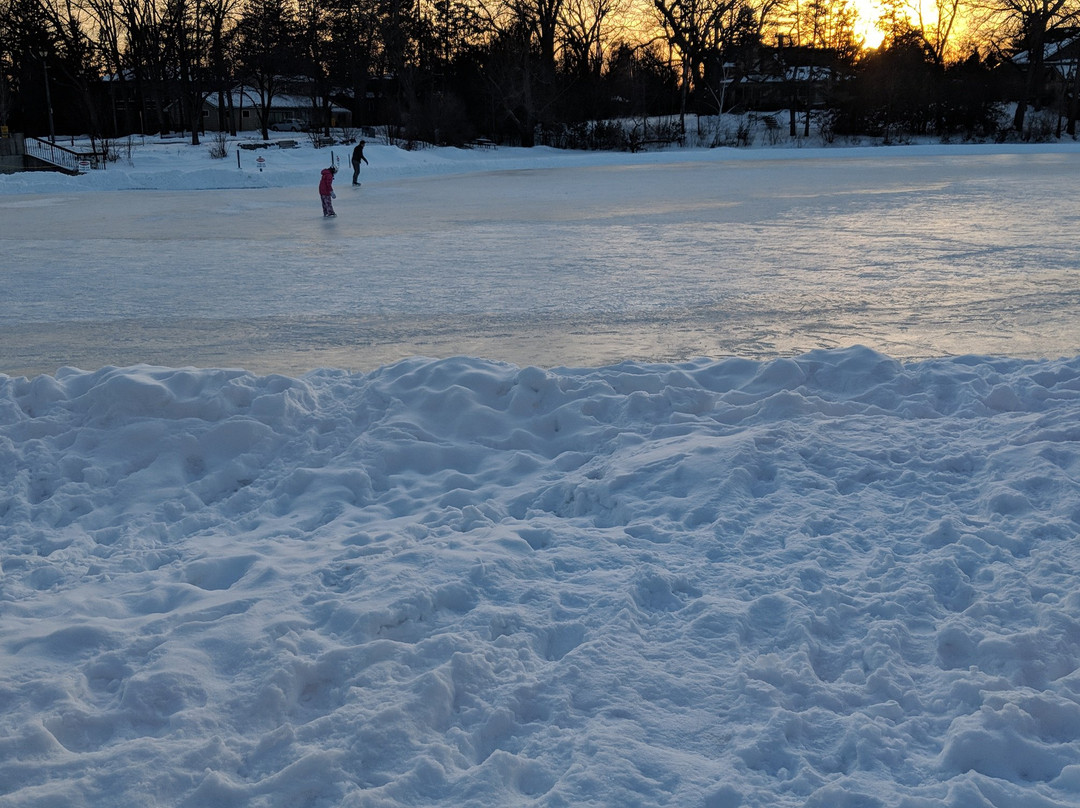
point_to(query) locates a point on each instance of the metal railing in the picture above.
(69, 160)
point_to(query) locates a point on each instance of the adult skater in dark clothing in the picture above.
(357, 158)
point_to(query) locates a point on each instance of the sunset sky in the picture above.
(866, 27)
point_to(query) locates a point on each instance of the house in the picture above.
(765, 77)
(1061, 59)
(1061, 55)
(285, 110)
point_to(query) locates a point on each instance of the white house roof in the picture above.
(249, 97)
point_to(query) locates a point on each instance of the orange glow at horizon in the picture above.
(866, 28)
(921, 14)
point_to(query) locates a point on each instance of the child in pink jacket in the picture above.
(326, 191)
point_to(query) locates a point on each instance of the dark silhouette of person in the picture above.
(357, 158)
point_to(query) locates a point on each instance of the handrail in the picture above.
(67, 159)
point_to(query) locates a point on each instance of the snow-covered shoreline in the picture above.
(175, 164)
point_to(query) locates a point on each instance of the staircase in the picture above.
(43, 154)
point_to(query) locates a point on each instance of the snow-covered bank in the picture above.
(836, 580)
(174, 164)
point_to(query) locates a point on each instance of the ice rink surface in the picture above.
(912, 254)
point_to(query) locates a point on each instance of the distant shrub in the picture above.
(218, 146)
(1040, 126)
(588, 136)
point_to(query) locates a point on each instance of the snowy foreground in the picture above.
(833, 580)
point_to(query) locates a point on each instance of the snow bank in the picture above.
(836, 580)
(150, 163)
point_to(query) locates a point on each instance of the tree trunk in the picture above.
(1033, 80)
(1070, 127)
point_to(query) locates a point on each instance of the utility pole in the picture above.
(44, 54)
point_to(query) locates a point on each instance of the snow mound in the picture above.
(835, 580)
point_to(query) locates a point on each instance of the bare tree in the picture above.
(939, 30)
(542, 19)
(823, 35)
(520, 59)
(583, 23)
(145, 58)
(24, 37)
(1028, 25)
(314, 36)
(73, 54)
(268, 41)
(694, 29)
(533, 28)
(708, 35)
(192, 26)
(352, 46)
(110, 36)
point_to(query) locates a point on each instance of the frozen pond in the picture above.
(912, 255)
